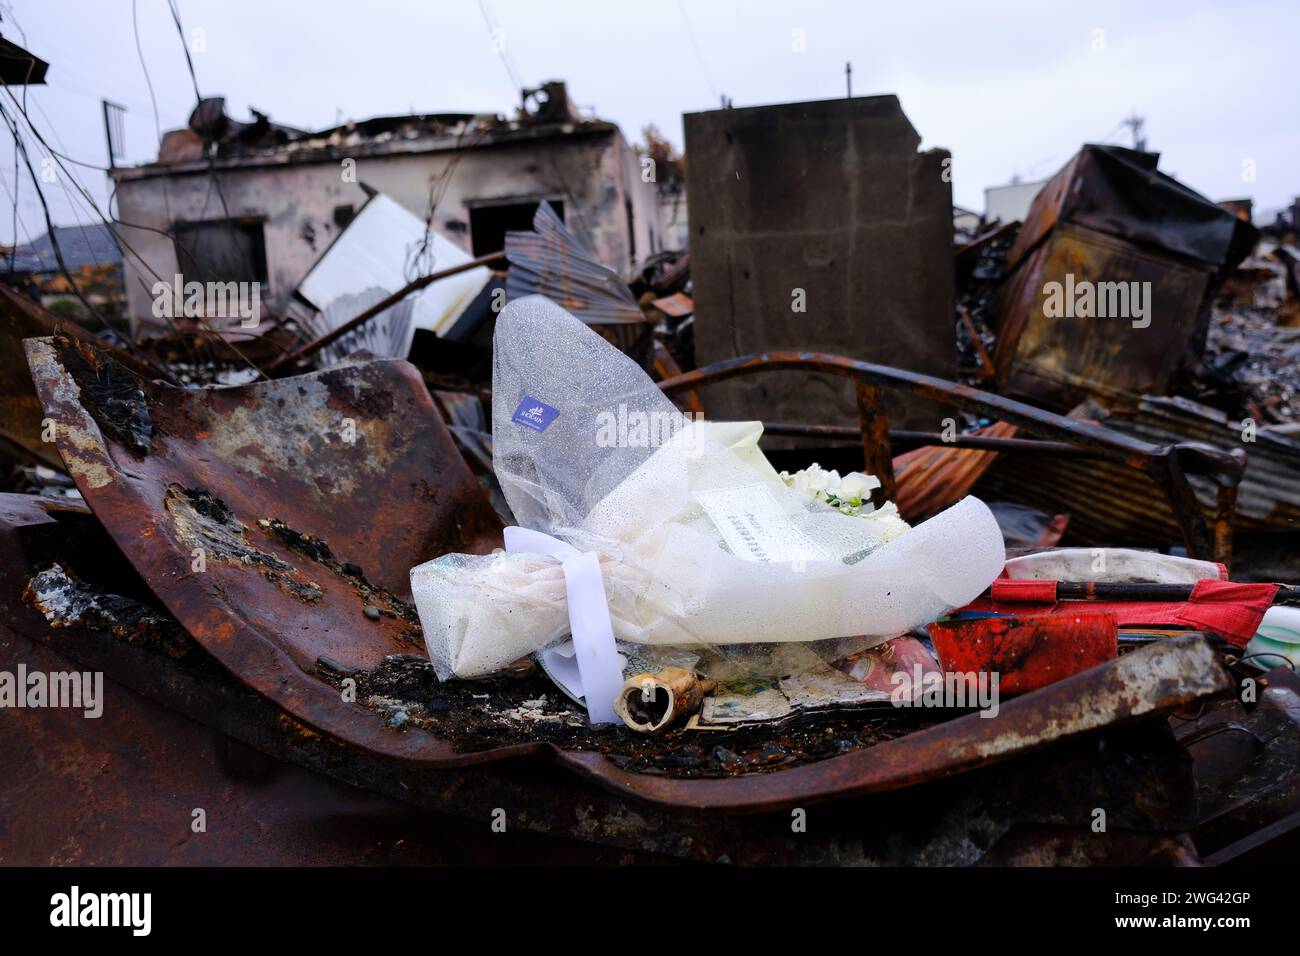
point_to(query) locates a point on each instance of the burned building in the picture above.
(261, 202)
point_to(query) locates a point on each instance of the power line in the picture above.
(21, 148)
(117, 237)
(699, 58)
(212, 170)
(496, 34)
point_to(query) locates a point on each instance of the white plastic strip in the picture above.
(597, 657)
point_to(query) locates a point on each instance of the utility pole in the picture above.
(114, 131)
(848, 79)
(1135, 123)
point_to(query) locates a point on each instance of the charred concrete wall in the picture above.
(299, 202)
(825, 206)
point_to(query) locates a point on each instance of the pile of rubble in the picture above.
(456, 520)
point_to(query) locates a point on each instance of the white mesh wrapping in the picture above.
(670, 522)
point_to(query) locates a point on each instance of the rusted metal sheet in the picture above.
(1120, 192)
(1127, 506)
(1158, 678)
(677, 306)
(277, 521)
(301, 532)
(125, 794)
(1269, 495)
(1245, 758)
(934, 477)
(176, 732)
(142, 648)
(1059, 361)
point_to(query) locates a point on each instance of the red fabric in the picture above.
(1024, 590)
(1230, 610)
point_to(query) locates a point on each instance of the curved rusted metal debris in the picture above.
(277, 521)
(168, 707)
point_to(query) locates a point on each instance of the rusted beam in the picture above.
(875, 439)
(904, 439)
(1162, 677)
(1168, 465)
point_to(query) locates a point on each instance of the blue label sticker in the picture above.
(534, 414)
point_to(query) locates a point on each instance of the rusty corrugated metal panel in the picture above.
(1112, 505)
(1268, 497)
(1109, 505)
(930, 479)
(678, 305)
(551, 261)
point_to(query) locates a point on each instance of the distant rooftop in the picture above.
(81, 246)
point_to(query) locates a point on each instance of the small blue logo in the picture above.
(534, 414)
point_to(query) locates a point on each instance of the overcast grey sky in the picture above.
(1011, 88)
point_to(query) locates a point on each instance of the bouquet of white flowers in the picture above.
(687, 533)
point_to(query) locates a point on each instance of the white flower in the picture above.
(856, 486)
(811, 480)
(850, 494)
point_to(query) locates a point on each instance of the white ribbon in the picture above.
(599, 667)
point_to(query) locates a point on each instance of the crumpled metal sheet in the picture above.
(1109, 217)
(276, 521)
(171, 711)
(550, 261)
(1120, 192)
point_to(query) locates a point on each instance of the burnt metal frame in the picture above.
(1167, 465)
